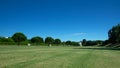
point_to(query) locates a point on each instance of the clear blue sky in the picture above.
(65, 19)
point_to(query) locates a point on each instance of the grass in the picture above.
(58, 57)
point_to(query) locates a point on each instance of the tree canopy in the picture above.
(19, 37)
(68, 42)
(114, 34)
(57, 41)
(37, 40)
(49, 40)
(84, 42)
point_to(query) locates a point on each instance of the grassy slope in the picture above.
(58, 57)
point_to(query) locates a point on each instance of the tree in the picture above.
(99, 42)
(57, 41)
(49, 40)
(73, 43)
(91, 43)
(84, 42)
(19, 37)
(37, 40)
(6, 41)
(68, 42)
(105, 42)
(114, 34)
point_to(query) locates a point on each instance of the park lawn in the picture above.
(58, 57)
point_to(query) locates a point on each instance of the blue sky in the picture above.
(65, 19)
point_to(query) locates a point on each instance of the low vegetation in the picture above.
(58, 57)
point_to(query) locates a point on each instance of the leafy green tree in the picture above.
(99, 42)
(114, 34)
(19, 37)
(49, 40)
(73, 43)
(84, 42)
(91, 43)
(105, 42)
(37, 40)
(7, 40)
(68, 42)
(57, 41)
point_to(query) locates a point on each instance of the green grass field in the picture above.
(58, 57)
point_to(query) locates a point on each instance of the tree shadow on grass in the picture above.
(99, 48)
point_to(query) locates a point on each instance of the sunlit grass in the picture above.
(58, 57)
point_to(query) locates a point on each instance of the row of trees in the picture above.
(91, 42)
(20, 39)
(113, 38)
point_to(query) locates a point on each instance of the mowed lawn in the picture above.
(58, 57)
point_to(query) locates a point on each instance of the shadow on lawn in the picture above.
(99, 48)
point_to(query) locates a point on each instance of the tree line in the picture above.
(92, 42)
(113, 38)
(20, 38)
